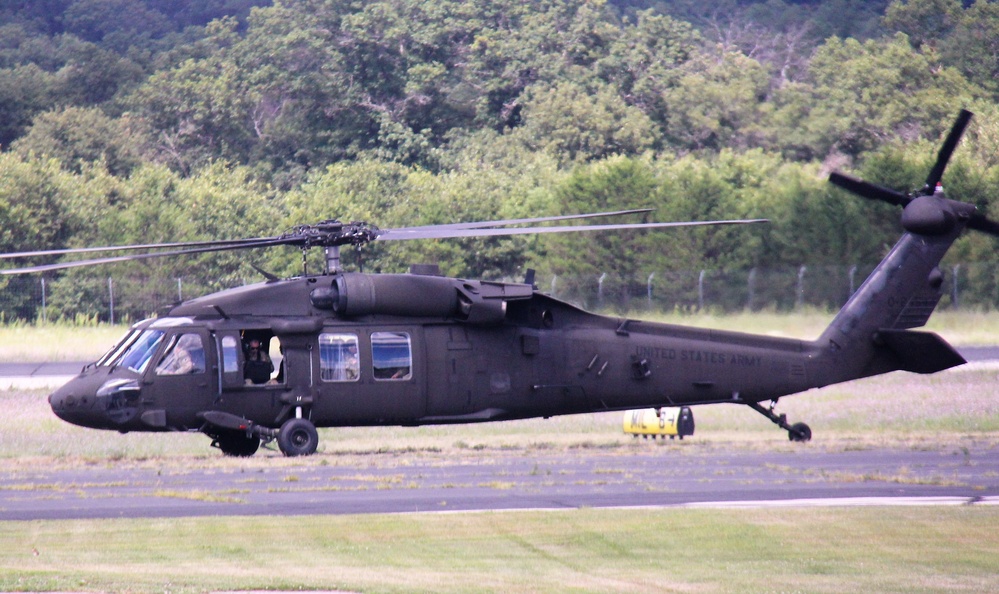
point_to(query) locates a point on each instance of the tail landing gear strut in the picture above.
(796, 432)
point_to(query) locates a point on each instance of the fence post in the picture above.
(801, 287)
(700, 291)
(953, 291)
(554, 278)
(44, 312)
(111, 300)
(649, 287)
(180, 296)
(600, 289)
(853, 274)
(752, 288)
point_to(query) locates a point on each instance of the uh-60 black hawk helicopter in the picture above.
(416, 349)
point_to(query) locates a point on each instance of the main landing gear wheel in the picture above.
(298, 437)
(236, 443)
(799, 432)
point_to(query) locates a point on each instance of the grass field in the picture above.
(910, 549)
(586, 550)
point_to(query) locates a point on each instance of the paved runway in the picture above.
(670, 475)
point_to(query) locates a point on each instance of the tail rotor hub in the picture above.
(927, 211)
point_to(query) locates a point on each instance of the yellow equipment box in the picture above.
(655, 422)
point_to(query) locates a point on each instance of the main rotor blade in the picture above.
(485, 224)
(115, 248)
(956, 131)
(868, 190)
(430, 233)
(79, 263)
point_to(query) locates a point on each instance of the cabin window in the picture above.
(184, 356)
(230, 354)
(338, 360)
(391, 355)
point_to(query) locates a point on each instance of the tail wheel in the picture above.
(799, 432)
(298, 437)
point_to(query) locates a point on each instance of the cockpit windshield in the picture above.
(135, 352)
(115, 352)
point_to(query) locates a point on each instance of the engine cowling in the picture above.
(358, 294)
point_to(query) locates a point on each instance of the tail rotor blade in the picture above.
(956, 131)
(868, 190)
(978, 222)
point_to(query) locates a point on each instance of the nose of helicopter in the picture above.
(98, 400)
(73, 406)
(81, 402)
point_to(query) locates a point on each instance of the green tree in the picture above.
(973, 45)
(717, 102)
(858, 95)
(522, 43)
(198, 108)
(24, 92)
(642, 62)
(923, 21)
(579, 123)
(611, 184)
(156, 205)
(42, 207)
(79, 136)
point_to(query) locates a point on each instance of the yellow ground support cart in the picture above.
(659, 422)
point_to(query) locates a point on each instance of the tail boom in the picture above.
(870, 334)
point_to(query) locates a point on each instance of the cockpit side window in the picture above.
(392, 356)
(185, 355)
(338, 361)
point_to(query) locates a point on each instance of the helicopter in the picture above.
(362, 349)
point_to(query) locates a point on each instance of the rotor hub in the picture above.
(331, 233)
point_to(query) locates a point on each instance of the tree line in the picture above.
(140, 121)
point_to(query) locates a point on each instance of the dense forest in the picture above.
(141, 121)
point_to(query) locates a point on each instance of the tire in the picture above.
(236, 444)
(298, 437)
(800, 432)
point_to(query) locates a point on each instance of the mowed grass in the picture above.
(882, 549)
(55, 342)
(918, 549)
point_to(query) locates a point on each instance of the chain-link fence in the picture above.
(111, 299)
(779, 289)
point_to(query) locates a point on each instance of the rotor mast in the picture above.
(332, 259)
